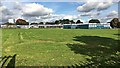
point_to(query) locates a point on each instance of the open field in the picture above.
(62, 47)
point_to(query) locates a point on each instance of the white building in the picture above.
(11, 20)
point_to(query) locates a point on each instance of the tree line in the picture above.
(114, 23)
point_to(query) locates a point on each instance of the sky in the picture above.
(35, 11)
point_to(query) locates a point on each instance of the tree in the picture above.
(78, 21)
(21, 22)
(65, 21)
(61, 21)
(7, 23)
(72, 22)
(94, 21)
(118, 24)
(41, 23)
(50, 23)
(34, 24)
(57, 22)
(115, 23)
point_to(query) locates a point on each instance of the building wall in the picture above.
(99, 26)
(87, 26)
(11, 20)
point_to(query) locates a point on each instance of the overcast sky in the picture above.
(35, 11)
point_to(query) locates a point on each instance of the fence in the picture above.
(7, 61)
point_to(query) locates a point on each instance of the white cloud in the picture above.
(35, 10)
(91, 14)
(112, 14)
(5, 14)
(60, 0)
(94, 9)
(54, 17)
(105, 19)
(8, 11)
(100, 0)
(89, 6)
(17, 5)
(28, 11)
(103, 5)
(5, 11)
(70, 17)
(86, 14)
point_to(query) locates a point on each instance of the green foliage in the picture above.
(94, 21)
(78, 21)
(115, 23)
(50, 23)
(72, 22)
(64, 21)
(7, 23)
(21, 22)
(41, 23)
(34, 24)
(57, 22)
(118, 25)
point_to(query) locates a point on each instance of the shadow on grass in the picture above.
(8, 61)
(117, 34)
(103, 51)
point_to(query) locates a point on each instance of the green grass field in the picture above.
(62, 47)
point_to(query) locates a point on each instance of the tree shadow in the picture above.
(103, 51)
(8, 61)
(117, 34)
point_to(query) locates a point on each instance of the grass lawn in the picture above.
(62, 47)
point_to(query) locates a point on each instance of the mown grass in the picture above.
(55, 47)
